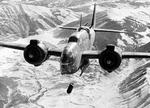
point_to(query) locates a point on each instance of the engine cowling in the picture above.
(110, 59)
(35, 53)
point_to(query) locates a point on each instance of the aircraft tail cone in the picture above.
(70, 88)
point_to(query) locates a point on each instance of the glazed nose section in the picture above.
(68, 60)
(68, 68)
(64, 69)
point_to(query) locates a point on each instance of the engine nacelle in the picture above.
(35, 53)
(110, 59)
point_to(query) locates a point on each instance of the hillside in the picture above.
(21, 20)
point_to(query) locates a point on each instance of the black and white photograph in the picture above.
(74, 53)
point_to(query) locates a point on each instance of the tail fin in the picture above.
(80, 20)
(93, 17)
(93, 25)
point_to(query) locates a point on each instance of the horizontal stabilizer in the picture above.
(135, 55)
(13, 45)
(110, 30)
(69, 28)
(97, 30)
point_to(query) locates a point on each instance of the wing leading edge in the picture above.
(13, 45)
(124, 55)
(91, 54)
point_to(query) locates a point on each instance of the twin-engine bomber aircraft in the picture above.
(78, 51)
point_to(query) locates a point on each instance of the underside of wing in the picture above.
(91, 54)
(110, 30)
(55, 52)
(135, 55)
(13, 45)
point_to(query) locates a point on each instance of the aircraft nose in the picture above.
(67, 69)
(64, 69)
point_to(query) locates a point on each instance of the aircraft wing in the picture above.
(91, 54)
(54, 52)
(110, 30)
(125, 55)
(13, 45)
(135, 55)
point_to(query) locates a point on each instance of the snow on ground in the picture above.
(127, 38)
(121, 12)
(145, 37)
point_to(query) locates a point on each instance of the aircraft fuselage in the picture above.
(79, 41)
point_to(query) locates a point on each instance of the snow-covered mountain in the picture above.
(21, 20)
(23, 85)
